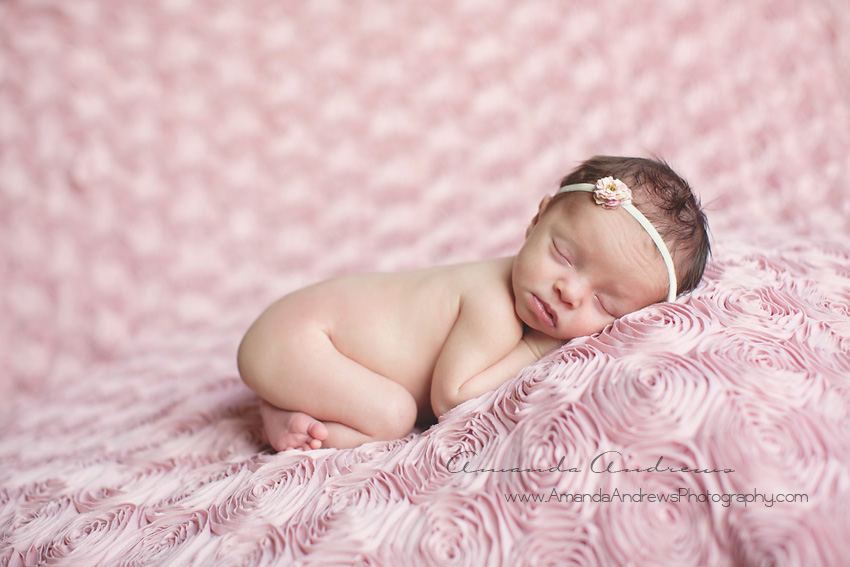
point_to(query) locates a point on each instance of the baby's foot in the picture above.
(291, 429)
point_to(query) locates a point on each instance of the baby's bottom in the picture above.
(325, 399)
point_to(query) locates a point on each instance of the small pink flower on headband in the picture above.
(611, 193)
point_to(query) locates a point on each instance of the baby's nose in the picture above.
(572, 291)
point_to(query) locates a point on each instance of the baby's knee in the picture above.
(398, 416)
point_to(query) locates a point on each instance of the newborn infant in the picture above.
(366, 357)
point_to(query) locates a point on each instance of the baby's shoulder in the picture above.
(487, 285)
(488, 275)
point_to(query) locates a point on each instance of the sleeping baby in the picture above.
(366, 357)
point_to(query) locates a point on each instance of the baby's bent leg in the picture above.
(306, 373)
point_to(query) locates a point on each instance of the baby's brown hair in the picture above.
(666, 200)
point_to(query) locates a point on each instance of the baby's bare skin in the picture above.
(397, 323)
(364, 357)
(393, 324)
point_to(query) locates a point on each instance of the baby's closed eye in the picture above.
(600, 302)
(604, 306)
(561, 254)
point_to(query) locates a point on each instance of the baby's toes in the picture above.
(300, 425)
(318, 432)
(286, 442)
(280, 443)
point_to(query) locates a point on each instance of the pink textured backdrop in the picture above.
(168, 168)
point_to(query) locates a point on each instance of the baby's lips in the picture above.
(551, 312)
(549, 316)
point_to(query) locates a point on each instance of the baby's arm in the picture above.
(485, 349)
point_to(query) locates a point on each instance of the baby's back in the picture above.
(395, 324)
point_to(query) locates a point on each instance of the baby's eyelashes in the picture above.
(563, 256)
(599, 303)
(602, 306)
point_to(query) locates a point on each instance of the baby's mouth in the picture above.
(546, 313)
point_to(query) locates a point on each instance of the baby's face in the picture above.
(583, 266)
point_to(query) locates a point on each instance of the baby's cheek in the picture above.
(601, 323)
(583, 325)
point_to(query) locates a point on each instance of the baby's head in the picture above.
(587, 261)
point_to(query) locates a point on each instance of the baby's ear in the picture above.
(544, 204)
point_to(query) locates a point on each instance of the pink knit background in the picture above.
(168, 168)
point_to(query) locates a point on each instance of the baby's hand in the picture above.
(539, 343)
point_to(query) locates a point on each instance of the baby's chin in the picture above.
(549, 332)
(570, 334)
(562, 336)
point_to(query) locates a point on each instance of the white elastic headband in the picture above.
(644, 222)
